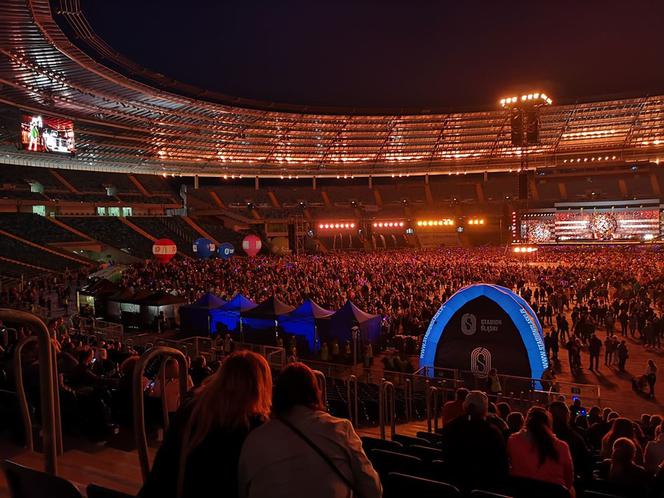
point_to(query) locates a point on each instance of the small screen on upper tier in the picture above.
(44, 134)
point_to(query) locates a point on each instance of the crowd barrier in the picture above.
(432, 385)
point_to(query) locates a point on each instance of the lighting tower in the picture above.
(524, 115)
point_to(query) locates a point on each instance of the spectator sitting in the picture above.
(103, 367)
(199, 370)
(622, 428)
(453, 409)
(172, 390)
(203, 444)
(536, 453)
(560, 417)
(474, 448)
(514, 423)
(82, 376)
(654, 454)
(284, 458)
(623, 470)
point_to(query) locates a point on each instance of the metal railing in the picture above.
(432, 400)
(139, 400)
(48, 375)
(352, 396)
(387, 404)
(322, 385)
(408, 397)
(101, 328)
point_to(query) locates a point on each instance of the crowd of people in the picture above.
(576, 293)
(281, 442)
(561, 444)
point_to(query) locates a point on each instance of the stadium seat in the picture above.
(399, 485)
(410, 441)
(94, 491)
(426, 453)
(480, 493)
(523, 487)
(385, 461)
(373, 443)
(597, 494)
(432, 437)
(28, 483)
(614, 489)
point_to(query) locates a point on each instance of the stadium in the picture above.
(203, 293)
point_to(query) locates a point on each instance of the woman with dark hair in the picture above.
(202, 446)
(622, 427)
(535, 452)
(304, 451)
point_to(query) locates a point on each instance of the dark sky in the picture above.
(459, 54)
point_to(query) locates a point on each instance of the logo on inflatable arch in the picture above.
(468, 324)
(485, 326)
(480, 361)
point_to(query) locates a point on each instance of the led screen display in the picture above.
(44, 134)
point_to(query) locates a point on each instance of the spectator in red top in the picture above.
(453, 409)
(536, 453)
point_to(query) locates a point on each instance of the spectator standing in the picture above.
(651, 376)
(623, 353)
(594, 350)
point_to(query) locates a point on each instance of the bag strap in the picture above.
(322, 454)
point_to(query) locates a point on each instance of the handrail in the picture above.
(20, 390)
(164, 396)
(352, 397)
(408, 396)
(56, 403)
(430, 393)
(322, 385)
(46, 383)
(386, 396)
(139, 401)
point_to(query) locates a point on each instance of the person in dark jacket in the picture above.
(475, 449)
(202, 447)
(560, 415)
(594, 349)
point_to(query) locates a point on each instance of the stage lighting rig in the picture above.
(525, 117)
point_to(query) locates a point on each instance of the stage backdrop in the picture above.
(485, 326)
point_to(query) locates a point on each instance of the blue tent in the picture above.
(228, 317)
(195, 318)
(305, 321)
(349, 316)
(265, 314)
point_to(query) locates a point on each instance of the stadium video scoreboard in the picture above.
(592, 222)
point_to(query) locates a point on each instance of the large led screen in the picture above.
(627, 225)
(630, 225)
(43, 134)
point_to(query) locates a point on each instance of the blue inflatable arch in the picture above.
(523, 316)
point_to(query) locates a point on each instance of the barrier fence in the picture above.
(429, 386)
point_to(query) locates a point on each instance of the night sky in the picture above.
(440, 54)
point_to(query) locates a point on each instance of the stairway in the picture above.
(108, 467)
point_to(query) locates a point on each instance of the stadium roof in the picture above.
(130, 119)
